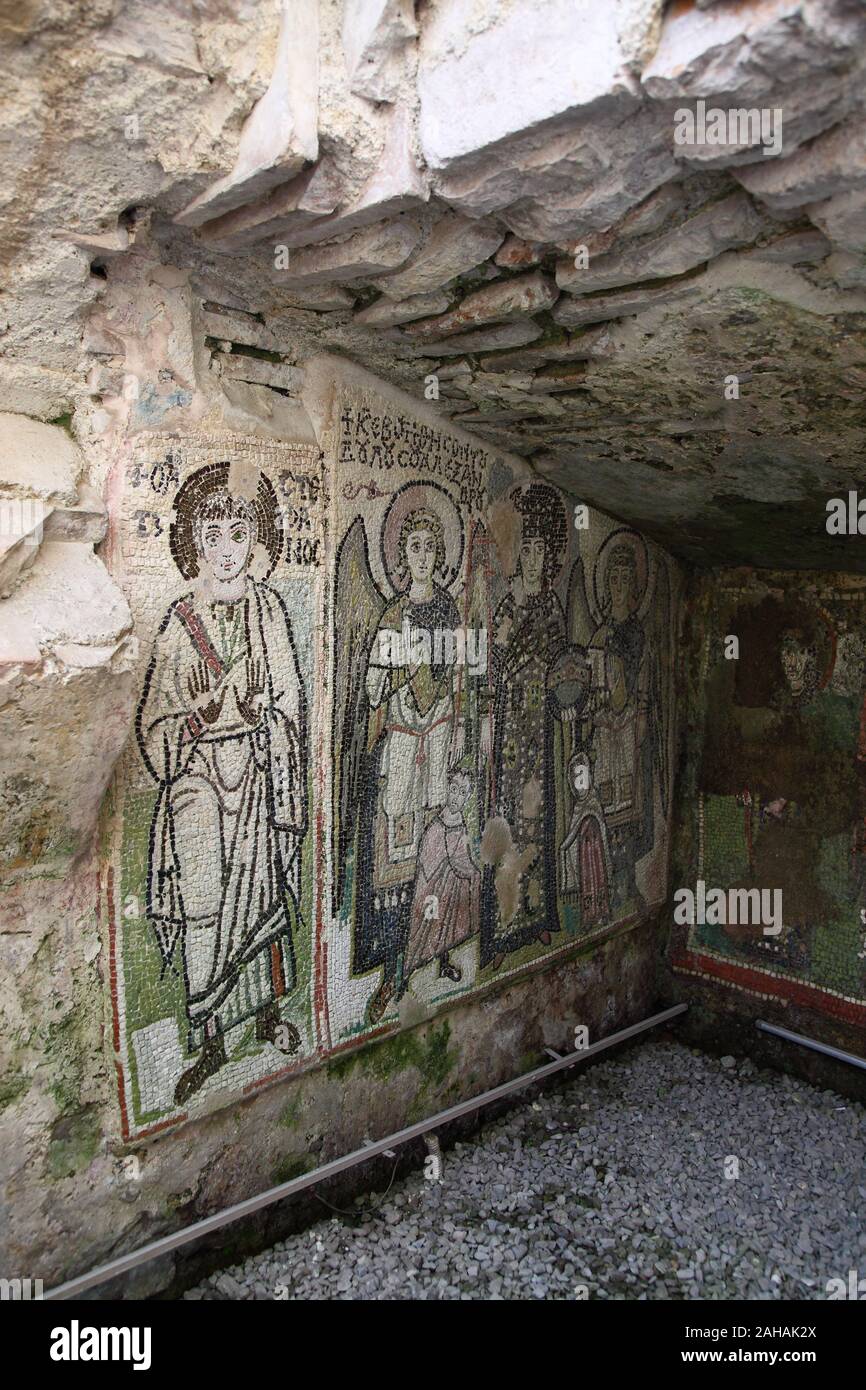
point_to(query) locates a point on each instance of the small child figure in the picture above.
(446, 897)
(584, 856)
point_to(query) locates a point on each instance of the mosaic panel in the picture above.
(501, 725)
(210, 895)
(781, 801)
(401, 735)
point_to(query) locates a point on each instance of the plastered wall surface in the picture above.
(774, 796)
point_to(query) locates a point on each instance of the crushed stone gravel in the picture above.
(663, 1173)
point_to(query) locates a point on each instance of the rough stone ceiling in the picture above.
(410, 186)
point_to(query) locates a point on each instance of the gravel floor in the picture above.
(613, 1187)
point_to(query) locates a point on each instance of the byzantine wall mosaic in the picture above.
(209, 891)
(405, 730)
(781, 789)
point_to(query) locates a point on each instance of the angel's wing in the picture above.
(579, 623)
(358, 605)
(481, 570)
(659, 632)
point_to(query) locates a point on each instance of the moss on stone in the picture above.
(340, 1068)
(528, 1061)
(66, 1046)
(292, 1166)
(289, 1114)
(11, 1087)
(428, 1053)
(74, 1142)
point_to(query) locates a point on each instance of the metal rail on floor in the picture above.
(851, 1058)
(339, 1165)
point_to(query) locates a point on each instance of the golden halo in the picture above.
(422, 497)
(623, 535)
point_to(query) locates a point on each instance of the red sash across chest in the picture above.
(191, 621)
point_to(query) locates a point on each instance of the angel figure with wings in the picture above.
(398, 726)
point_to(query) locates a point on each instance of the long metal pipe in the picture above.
(339, 1165)
(836, 1052)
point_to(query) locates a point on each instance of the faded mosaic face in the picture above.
(459, 789)
(421, 555)
(795, 664)
(532, 560)
(620, 583)
(225, 546)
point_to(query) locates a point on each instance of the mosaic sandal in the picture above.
(212, 1058)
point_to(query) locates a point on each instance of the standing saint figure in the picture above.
(625, 696)
(584, 856)
(413, 738)
(525, 778)
(222, 730)
(446, 895)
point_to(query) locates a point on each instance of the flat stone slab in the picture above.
(234, 326)
(504, 300)
(241, 367)
(834, 163)
(723, 226)
(592, 343)
(388, 313)
(505, 335)
(38, 460)
(455, 246)
(573, 312)
(366, 253)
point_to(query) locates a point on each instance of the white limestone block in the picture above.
(38, 460)
(376, 34)
(281, 133)
(396, 184)
(722, 226)
(455, 246)
(800, 58)
(22, 523)
(484, 79)
(66, 703)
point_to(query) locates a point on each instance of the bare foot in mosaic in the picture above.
(380, 1001)
(270, 1028)
(213, 1056)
